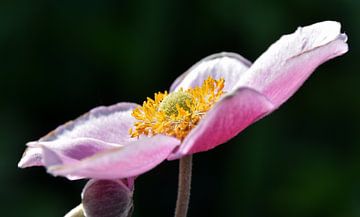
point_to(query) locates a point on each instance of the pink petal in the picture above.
(32, 157)
(284, 67)
(226, 119)
(106, 123)
(229, 66)
(107, 198)
(99, 129)
(132, 159)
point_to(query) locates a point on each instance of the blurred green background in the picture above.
(58, 59)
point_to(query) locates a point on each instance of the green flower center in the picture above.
(168, 105)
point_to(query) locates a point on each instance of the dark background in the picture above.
(58, 59)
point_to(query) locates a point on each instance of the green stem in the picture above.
(183, 196)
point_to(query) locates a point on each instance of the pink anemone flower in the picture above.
(98, 145)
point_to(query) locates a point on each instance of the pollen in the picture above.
(177, 113)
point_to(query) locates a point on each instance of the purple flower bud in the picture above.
(107, 198)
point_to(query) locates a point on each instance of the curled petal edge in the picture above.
(32, 156)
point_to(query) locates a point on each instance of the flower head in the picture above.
(177, 113)
(206, 106)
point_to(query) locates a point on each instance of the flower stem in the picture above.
(183, 196)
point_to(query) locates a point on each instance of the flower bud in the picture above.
(107, 198)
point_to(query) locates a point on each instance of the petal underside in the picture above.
(229, 66)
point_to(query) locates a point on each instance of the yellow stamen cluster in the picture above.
(175, 114)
